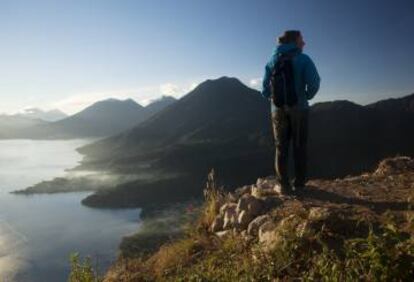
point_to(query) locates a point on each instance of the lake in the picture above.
(38, 232)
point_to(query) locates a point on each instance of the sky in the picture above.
(67, 54)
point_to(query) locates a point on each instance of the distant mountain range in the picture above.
(35, 113)
(226, 125)
(102, 119)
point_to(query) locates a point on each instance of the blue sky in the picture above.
(68, 54)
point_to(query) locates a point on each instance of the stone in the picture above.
(266, 181)
(263, 187)
(226, 207)
(271, 202)
(394, 165)
(255, 224)
(264, 229)
(271, 235)
(250, 204)
(243, 190)
(244, 219)
(255, 207)
(242, 203)
(257, 191)
(230, 217)
(231, 197)
(222, 234)
(217, 224)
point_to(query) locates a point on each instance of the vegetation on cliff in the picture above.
(355, 228)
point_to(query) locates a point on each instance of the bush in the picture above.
(82, 271)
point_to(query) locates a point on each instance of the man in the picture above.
(290, 111)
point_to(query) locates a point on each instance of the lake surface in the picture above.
(38, 232)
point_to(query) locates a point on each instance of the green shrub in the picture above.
(82, 270)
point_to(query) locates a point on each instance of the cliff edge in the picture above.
(354, 228)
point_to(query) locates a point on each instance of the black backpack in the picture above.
(283, 82)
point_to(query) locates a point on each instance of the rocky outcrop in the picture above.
(259, 211)
(335, 225)
(249, 204)
(394, 166)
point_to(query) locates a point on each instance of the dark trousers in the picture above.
(290, 125)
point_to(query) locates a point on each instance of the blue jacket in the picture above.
(306, 76)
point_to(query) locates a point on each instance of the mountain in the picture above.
(35, 113)
(225, 125)
(15, 125)
(102, 119)
(109, 117)
(159, 104)
(401, 105)
(226, 115)
(218, 116)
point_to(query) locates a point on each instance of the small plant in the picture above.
(82, 270)
(214, 198)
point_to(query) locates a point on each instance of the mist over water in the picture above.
(38, 232)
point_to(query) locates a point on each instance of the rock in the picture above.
(270, 235)
(222, 234)
(255, 224)
(226, 207)
(394, 166)
(277, 188)
(266, 182)
(217, 224)
(242, 203)
(251, 204)
(230, 217)
(257, 191)
(271, 202)
(267, 233)
(318, 214)
(264, 189)
(243, 190)
(231, 197)
(244, 219)
(255, 207)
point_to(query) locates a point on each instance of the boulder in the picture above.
(267, 232)
(232, 197)
(227, 206)
(271, 235)
(243, 201)
(217, 224)
(394, 166)
(250, 204)
(255, 224)
(244, 219)
(263, 187)
(271, 202)
(266, 182)
(230, 217)
(243, 190)
(256, 191)
(255, 207)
